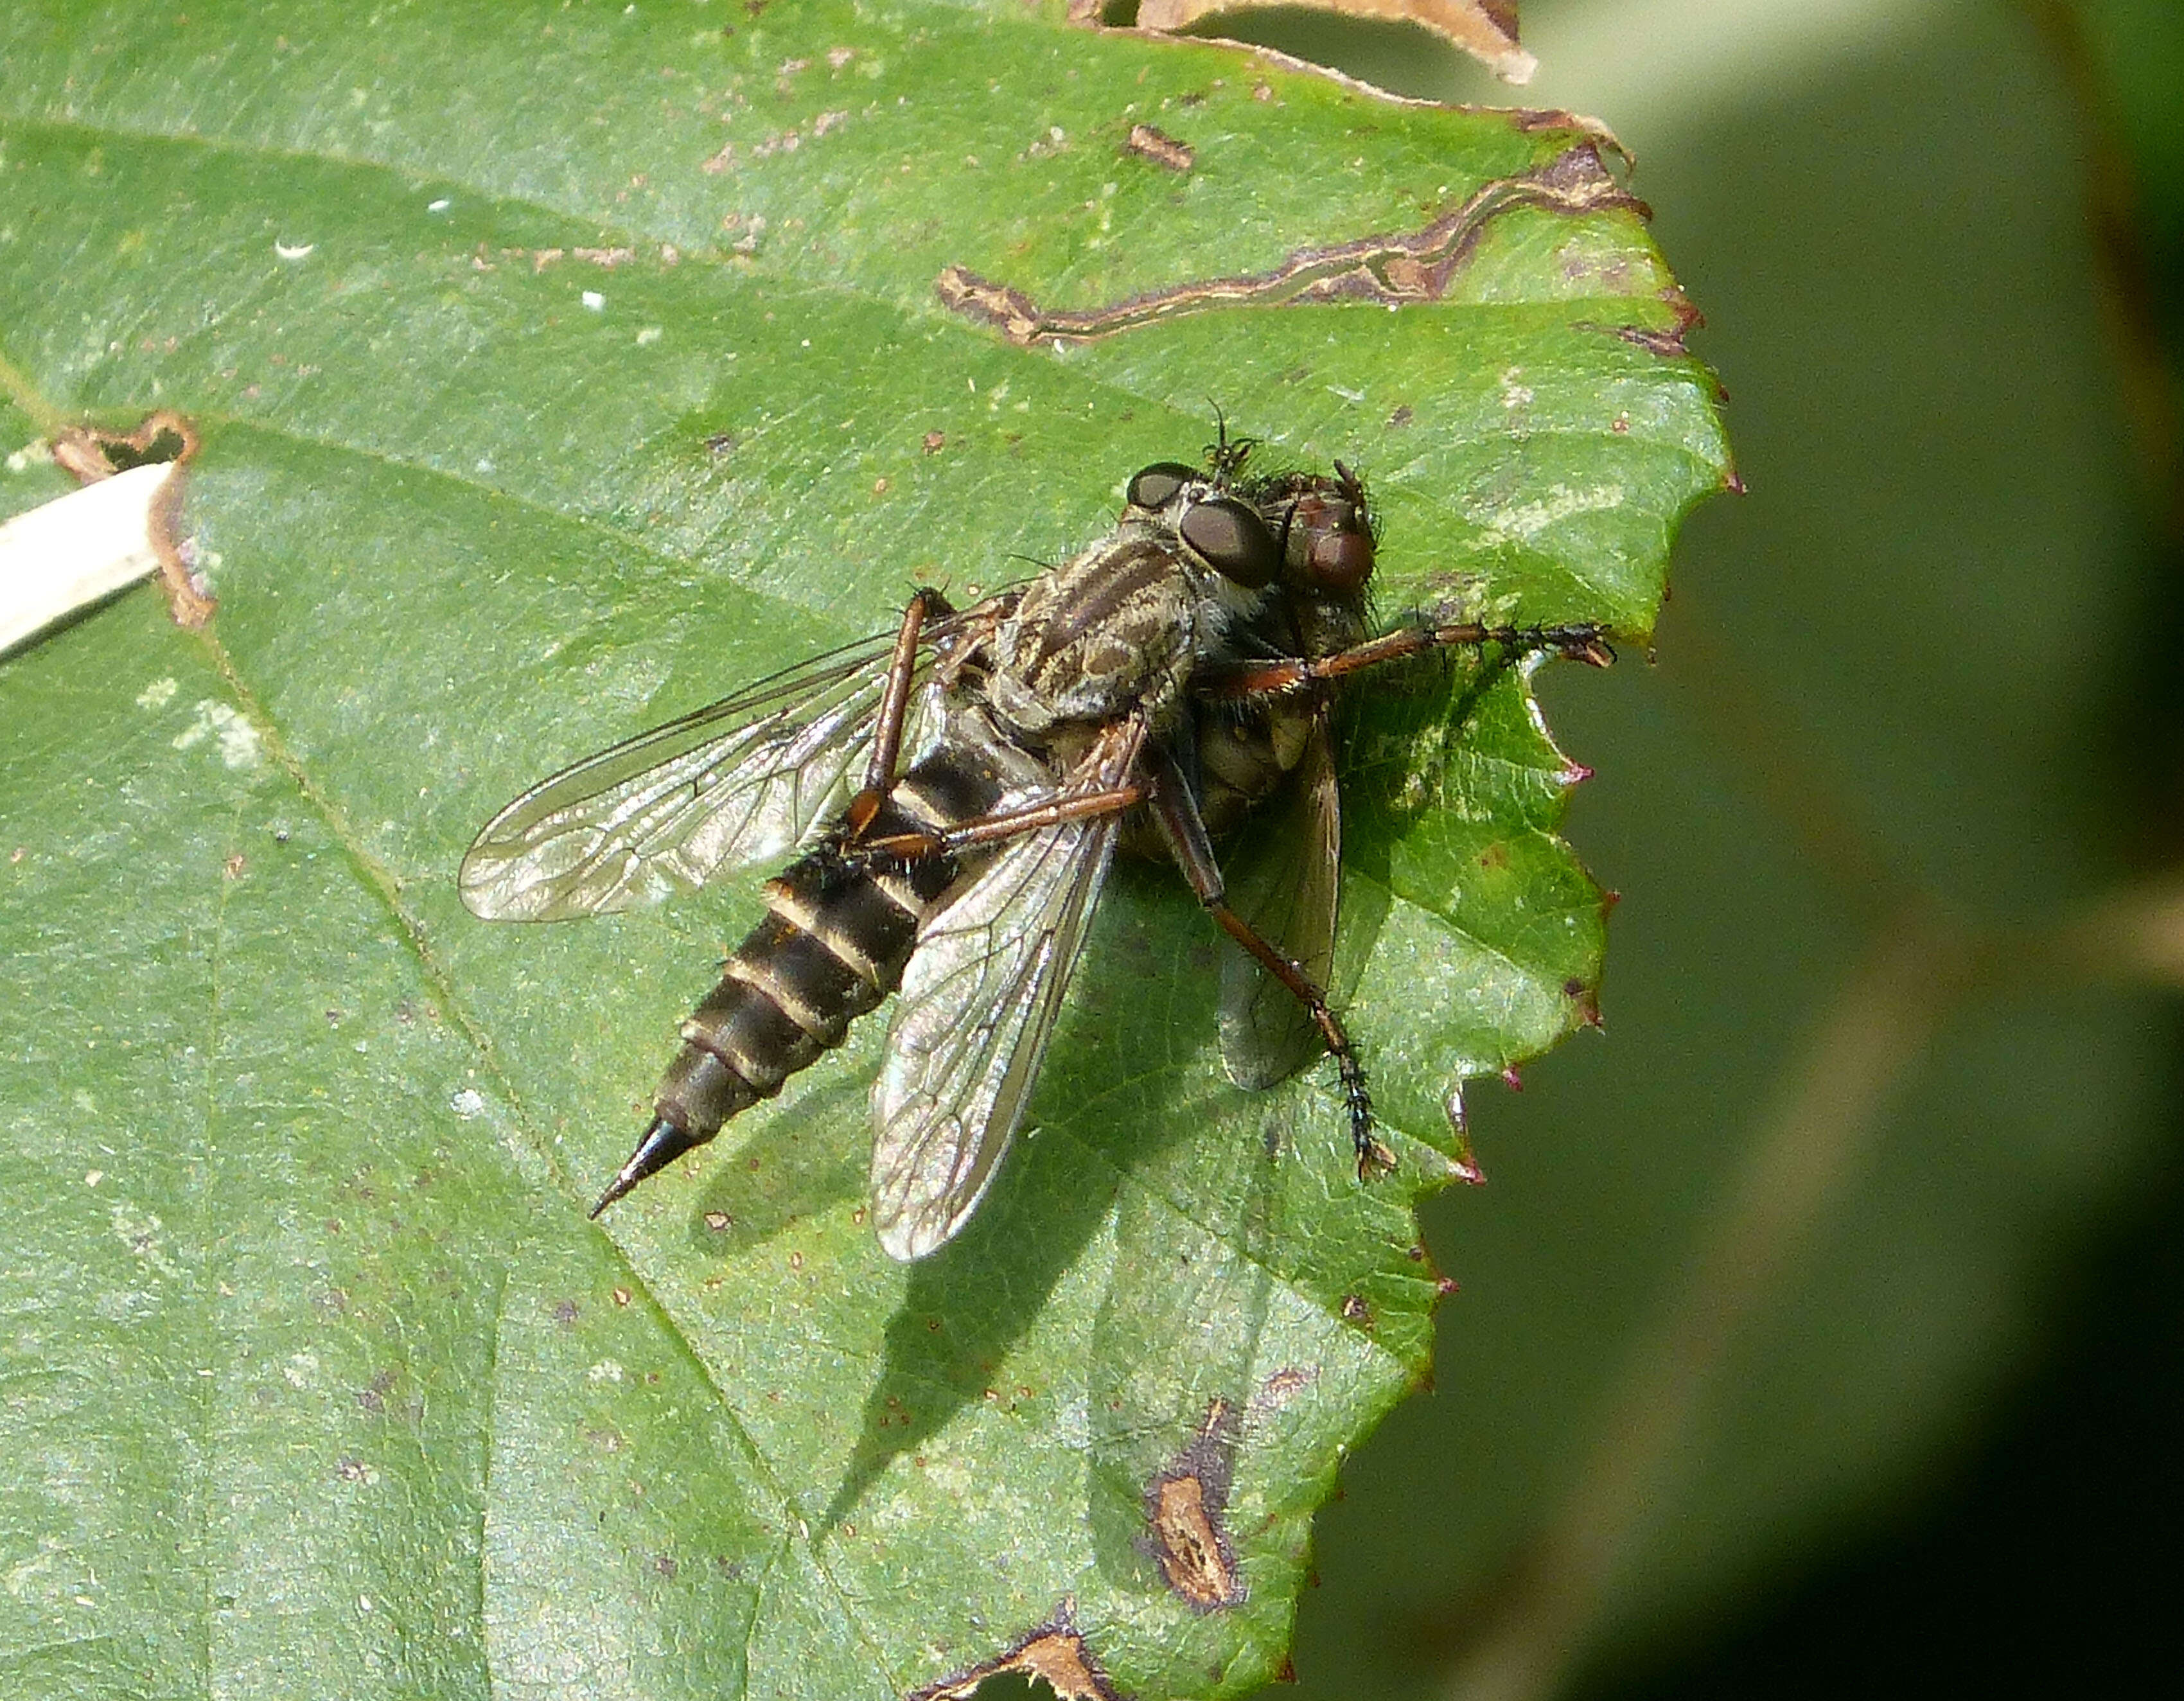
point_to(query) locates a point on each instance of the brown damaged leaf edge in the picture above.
(1669, 344)
(1054, 1654)
(1485, 29)
(1184, 1505)
(1396, 269)
(88, 455)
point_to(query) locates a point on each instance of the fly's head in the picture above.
(1326, 533)
(1312, 533)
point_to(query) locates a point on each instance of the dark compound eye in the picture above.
(1234, 540)
(1157, 485)
(1341, 562)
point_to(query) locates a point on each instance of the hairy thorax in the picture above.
(1110, 632)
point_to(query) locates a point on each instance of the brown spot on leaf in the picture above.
(1149, 143)
(1184, 1505)
(1394, 269)
(1354, 1310)
(1283, 1387)
(1670, 343)
(1054, 1654)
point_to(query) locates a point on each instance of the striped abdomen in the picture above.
(834, 944)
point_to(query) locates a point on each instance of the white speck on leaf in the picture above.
(1527, 520)
(140, 1231)
(237, 738)
(157, 695)
(593, 299)
(293, 250)
(469, 1102)
(650, 334)
(440, 205)
(606, 1370)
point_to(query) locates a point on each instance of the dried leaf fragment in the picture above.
(77, 548)
(1149, 143)
(122, 524)
(1485, 29)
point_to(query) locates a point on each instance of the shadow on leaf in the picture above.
(800, 1162)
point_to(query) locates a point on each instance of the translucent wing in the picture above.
(971, 1027)
(1289, 892)
(748, 778)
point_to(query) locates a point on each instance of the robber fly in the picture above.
(954, 793)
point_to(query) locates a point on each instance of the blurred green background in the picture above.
(1819, 1329)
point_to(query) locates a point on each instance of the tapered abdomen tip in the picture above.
(661, 1145)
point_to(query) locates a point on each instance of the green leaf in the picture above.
(560, 368)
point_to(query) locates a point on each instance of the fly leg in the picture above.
(1100, 787)
(896, 850)
(893, 711)
(1176, 811)
(1583, 642)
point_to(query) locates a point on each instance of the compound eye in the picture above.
(1159, 484)
(1341, 562)
(1232, 540)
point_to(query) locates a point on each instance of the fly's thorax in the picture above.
(1110, 632)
